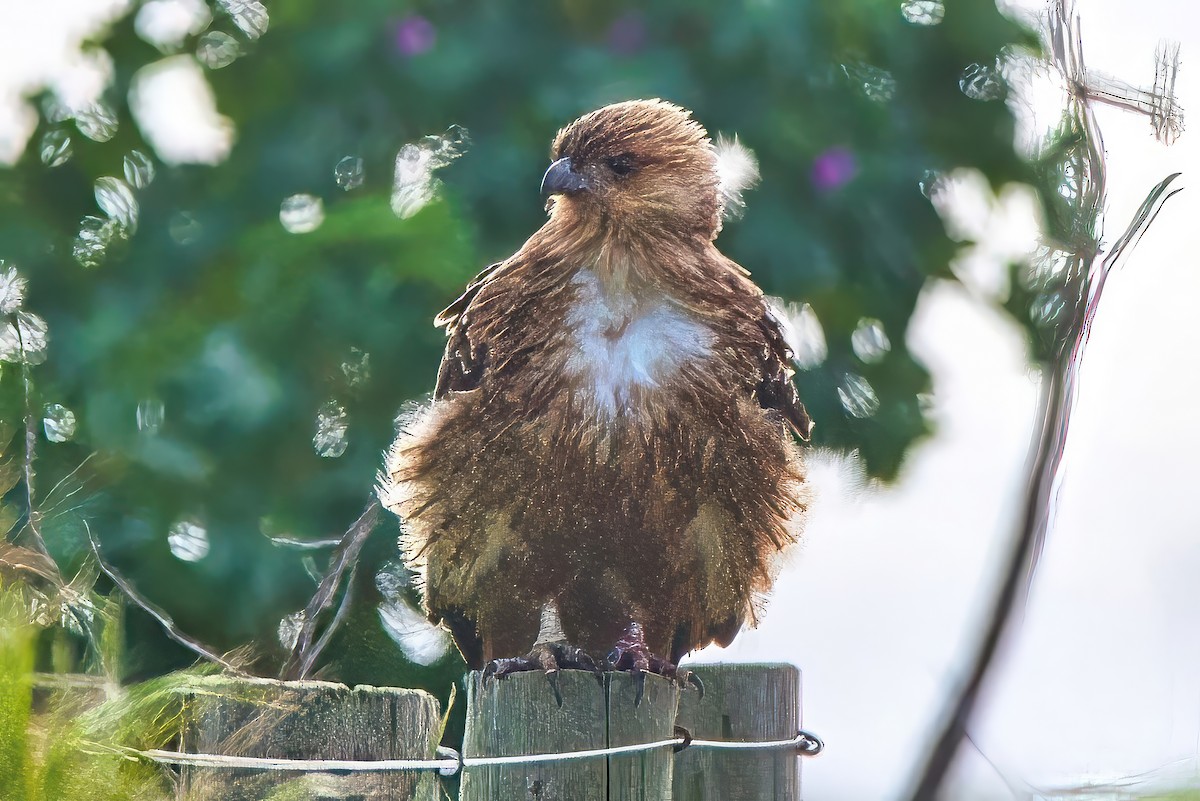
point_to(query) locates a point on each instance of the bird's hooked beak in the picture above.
(561, 179)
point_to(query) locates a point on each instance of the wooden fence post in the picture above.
(518, 715)
(643, 776)
(307, 720)
(748, 703)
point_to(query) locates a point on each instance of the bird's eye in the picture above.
(621, 165)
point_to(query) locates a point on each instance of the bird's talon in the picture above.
(550, 658)
(614, 658)
(589, 664)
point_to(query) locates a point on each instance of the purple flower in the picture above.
(834, 168)
(627, 34)
(413, 35)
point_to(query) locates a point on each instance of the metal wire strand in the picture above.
(804, 744)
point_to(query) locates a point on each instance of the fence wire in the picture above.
(451, 762)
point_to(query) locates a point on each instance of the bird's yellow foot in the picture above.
(633, 655)
(549, 657)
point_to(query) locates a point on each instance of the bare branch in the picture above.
(28, 473)
(304, 652)
(311, 657)
(159, 614)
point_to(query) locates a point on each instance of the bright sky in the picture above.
(1103, 681)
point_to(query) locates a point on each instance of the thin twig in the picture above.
(48, 518)
(305, 545)
(1017, 792)
(159, 614)
(57, 512)
(1034, 516)
(31, 523)
(63, 480)
(343, 608)
(304, 653)
(56, 507)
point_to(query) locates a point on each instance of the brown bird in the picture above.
(609, 465)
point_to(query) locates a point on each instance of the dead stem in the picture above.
(304, 652)
(160, 615)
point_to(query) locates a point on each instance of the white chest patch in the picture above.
(623, 342)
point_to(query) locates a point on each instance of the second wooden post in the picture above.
(518, 716)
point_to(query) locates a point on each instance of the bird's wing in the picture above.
(775, 389)
(462, 368)
(464, 362)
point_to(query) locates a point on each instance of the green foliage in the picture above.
(65, 750)
(244, 332)
(16, 702)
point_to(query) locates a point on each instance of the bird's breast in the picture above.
(626, 345)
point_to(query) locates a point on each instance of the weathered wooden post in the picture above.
(518, 715)
(307, 720)
(745, 703)
(646, 775)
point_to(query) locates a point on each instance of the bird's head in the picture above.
(646, 163)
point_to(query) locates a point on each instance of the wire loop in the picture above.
(450, 753)
(810, 744)
(683, 734)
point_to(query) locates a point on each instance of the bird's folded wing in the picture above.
(775, 389)
(464, 362)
